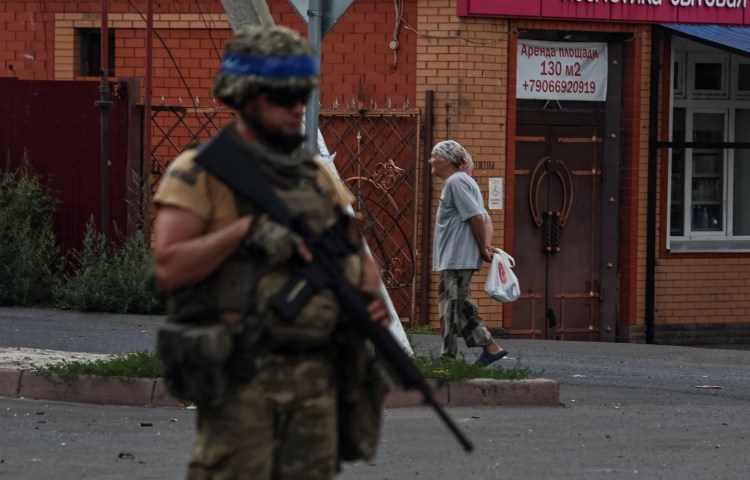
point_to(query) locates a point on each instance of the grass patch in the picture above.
(146, 364)
(420, 330)
(131, 366)
(449, 370)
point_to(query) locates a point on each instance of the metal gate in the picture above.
(57, 124)
(557, 231)
(375, 154)
(176, 127)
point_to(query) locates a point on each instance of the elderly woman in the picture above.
(460, 245)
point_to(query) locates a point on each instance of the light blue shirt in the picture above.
(454, 247)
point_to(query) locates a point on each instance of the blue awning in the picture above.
(733, 39)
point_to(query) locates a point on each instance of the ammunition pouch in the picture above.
(194, 358)
(204, 358)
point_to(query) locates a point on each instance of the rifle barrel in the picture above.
(402, 365)
(462, 439)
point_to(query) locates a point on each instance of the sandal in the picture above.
(487, 358)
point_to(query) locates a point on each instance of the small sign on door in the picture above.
(496, 193)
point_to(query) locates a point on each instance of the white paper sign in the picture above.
(496, 194)
(562, 70)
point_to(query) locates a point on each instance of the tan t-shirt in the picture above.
(186, 185)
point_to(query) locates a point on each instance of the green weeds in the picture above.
(143, 364)
(29, 259)
(107, 278)
(146, 364)
(104, 275)
(451, 370)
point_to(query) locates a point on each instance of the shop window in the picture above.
(709, 210)
(706, 171)
(90, 53)
(707, 75)
(698, 210)
(709, 197)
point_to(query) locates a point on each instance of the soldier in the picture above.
(221, 259)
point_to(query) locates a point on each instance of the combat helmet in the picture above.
(263, 57)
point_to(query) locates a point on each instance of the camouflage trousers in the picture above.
(280, 426)
(459, 315)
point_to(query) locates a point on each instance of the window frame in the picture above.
(699, 101)
(734, 80)
(678, 75)
(85, 38)
(694, 58)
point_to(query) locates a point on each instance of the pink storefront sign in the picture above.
(719, 12)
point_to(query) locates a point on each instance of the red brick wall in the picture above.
(37, 41)
(630, 289)
(465, 62)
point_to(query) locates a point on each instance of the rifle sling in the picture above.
(221, 157)
(226, 158)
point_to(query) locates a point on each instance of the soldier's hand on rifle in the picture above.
(304, 252)
(378, 313)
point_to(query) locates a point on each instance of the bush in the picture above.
(29, 258)
(110, 278)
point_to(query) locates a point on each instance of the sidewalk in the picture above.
(27, 332)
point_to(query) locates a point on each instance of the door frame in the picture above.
(609, 326)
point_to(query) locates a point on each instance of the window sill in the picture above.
(690, 245)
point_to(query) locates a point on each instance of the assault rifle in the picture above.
(226, 158)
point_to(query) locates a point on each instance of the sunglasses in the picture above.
(287, 97)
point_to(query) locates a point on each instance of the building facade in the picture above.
(619, 135)
(609, 137)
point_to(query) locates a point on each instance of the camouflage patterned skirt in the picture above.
(459, 314)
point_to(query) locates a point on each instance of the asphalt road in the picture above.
(627, 411)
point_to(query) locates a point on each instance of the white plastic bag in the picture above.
(502, 284)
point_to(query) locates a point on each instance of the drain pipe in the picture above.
(424, 283)
(148, 163)
(651, 192)
(104, 105)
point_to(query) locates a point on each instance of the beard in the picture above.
(273, 137)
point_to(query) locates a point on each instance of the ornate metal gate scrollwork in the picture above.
(376, 154)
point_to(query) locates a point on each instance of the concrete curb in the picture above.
(152, 392)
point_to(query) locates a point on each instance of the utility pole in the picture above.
(314, 36)
(148, 162)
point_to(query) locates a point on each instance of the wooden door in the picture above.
(557, 231)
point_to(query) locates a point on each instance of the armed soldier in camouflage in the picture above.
(221, 259)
